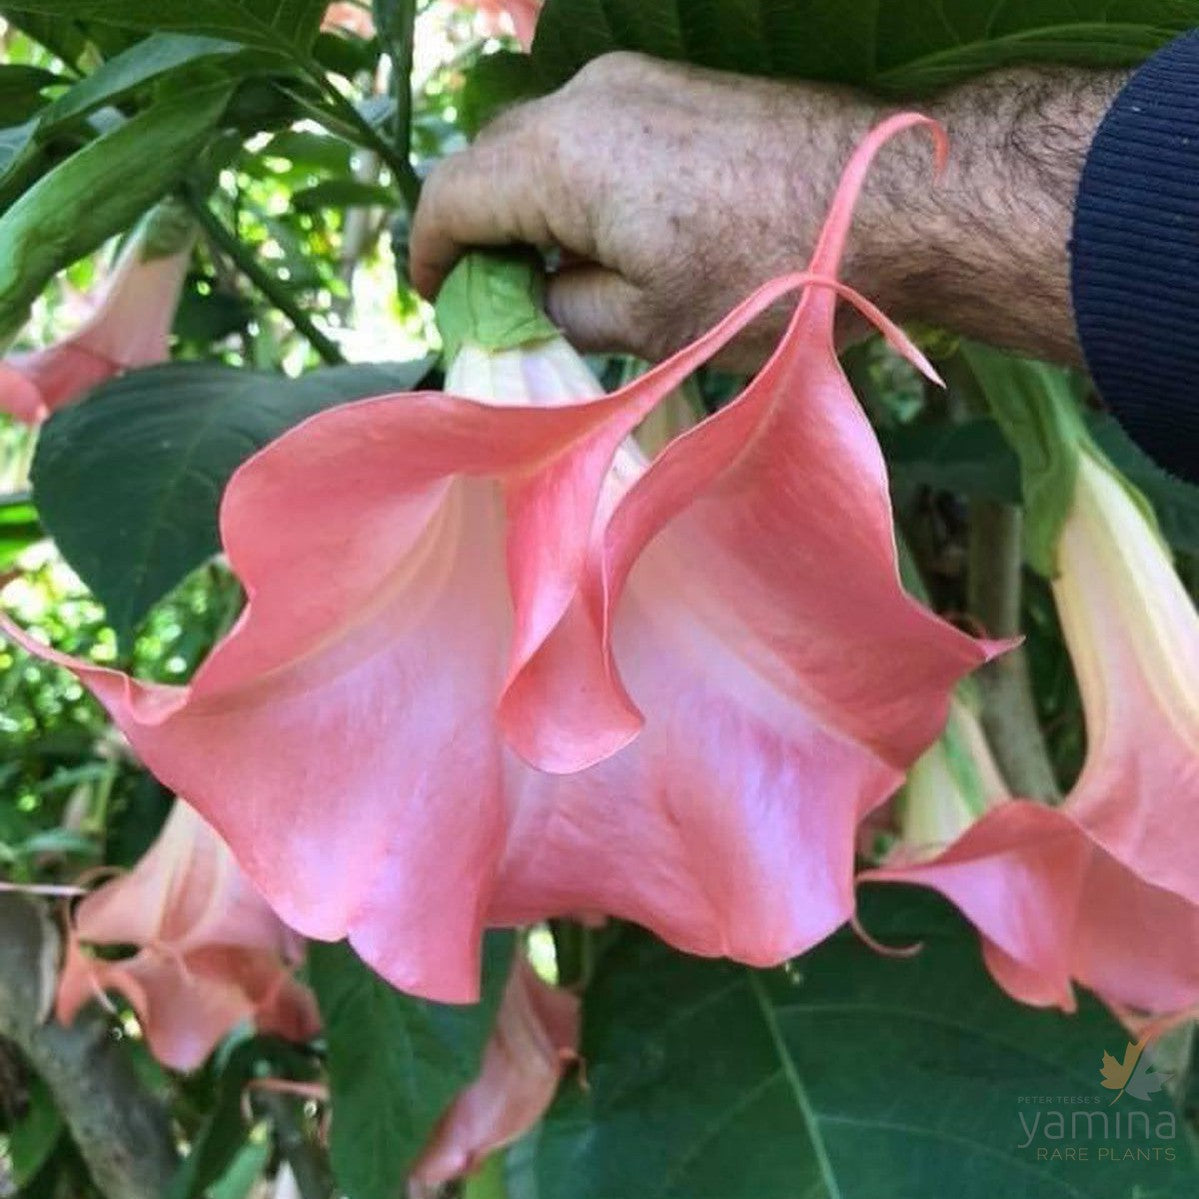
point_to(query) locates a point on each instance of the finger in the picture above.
(596, 309)
(499, 192)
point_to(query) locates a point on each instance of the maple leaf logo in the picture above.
(1135, 1074)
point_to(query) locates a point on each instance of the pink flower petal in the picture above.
(211, 952)
(417, 565)
(535, 1037)
(1054, 908)
(20, 396)
(130, 327)
(1104, 890)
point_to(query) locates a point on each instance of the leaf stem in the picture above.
(270, 286)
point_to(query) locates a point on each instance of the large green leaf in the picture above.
(271, 24)
(395, 1062)
(846, 1076)
(100, 191)
(896, 45)
(129, 481)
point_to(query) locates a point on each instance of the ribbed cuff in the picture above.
(1135, 257)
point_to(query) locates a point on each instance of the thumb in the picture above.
(596, 309)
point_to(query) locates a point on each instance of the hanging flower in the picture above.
(210, 952)
(352, 17)
(493, 667)
(1103, 891)
(129, 326)
(522, 14)
(536, 1036)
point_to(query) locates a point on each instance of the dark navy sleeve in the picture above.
(1135, 258)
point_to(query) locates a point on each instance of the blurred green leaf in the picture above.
(395, 1062)
(973, 459)
(99, 191)
(33, 1138)
(495, 82)
(129, 481)
(19, 527)
(900, 46)
(21, 91)
(221, 1140)
(847, 1075)
(270, 24)
(343, 193)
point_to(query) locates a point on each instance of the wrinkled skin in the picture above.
(698, 186)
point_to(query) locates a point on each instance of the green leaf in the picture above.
(99, 191)
(135, 67)
(1037, 408)
(971, 458)
(34, 1137)
(899, 46)
(343, 193)
(395, 1063)
(493, 300)
(20, 159)
(495, 82)
(20, 91)
(270, 24)
(847, 1075)
(129, 481)
(19, 527)
(222, 1137)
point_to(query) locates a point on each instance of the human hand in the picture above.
(672, 192)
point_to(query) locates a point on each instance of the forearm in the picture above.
(985, 250)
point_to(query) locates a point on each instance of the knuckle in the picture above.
(613, 67)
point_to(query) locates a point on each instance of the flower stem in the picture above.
(271, 287)
(996, 582)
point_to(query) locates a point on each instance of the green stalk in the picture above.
(271, 287)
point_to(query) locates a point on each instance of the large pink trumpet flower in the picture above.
(1103, 891)
(129, 326)
(494, 667)
(536, 1037)
(210, 953)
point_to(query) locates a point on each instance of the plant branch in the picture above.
(401, 48)
(995, 582)
(271, 287)
(122, 1131)
(400, 164)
